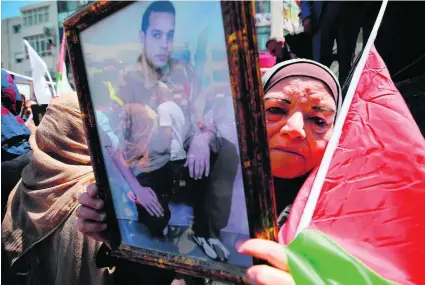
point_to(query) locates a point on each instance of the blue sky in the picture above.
(11, 8)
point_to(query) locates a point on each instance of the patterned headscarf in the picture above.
(9, 92)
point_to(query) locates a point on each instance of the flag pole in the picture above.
(60, 63)
(333, 142)
(51, 82)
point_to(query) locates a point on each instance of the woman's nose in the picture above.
(294, 127)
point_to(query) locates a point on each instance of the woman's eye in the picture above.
(319, 122)
(276, 111)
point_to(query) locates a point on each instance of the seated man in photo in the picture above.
(153, 135)
(201, 143)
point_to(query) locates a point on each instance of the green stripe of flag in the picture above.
(58, 79)
(314, 259)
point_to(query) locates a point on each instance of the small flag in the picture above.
(62, 83)
(39, 69)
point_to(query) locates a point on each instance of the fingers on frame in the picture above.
(267, 275)
(90, 214)
(92, 190)
(86, 226)
(267, 250)
(85, 200)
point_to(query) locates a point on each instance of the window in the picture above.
(62, 6)
(16, 29)
(35, 16)
(262, 6)
(46, 16)
(40, 44)
(19, 57)
(73, 5)
(263, 35)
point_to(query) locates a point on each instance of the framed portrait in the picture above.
(25, 88)
(170, 93)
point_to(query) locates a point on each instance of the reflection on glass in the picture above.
(165, 115)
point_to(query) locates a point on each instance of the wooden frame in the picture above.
(244, 70)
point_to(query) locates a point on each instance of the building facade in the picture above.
(41, 25)
(37, 24)
(65, 9)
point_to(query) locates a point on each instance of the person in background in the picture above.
(40, 240)
(15, 148)
(11, 98)
(326, 22)
(280, 49)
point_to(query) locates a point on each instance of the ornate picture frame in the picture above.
(225, 69)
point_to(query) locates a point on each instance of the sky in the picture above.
(10, 8)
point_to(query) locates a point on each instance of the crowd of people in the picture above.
(54, 225)
(328, 24)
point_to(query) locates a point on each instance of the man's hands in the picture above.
(147, 198)
(307, 25)
(198, 156)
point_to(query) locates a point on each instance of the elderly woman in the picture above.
(301, 102)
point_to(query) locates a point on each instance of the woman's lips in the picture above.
(285, 150)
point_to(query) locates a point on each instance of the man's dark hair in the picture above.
(157, 6)
(269, 41)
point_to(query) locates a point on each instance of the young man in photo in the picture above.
(198, 136)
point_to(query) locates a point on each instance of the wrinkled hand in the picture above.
(307, 25)
(198, 156)
(273, 253)
(147, 198)
(91, 215)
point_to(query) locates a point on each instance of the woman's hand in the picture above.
(273, 253)
(91, 215)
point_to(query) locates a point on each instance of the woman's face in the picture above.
(300, 113)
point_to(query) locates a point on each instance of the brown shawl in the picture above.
(40, 215)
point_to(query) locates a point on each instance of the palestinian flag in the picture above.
(62, 83)
(360, 218)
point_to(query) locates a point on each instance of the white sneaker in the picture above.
(208, 250)
(220, 249)
(165, 231)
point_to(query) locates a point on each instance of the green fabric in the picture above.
(313, 258)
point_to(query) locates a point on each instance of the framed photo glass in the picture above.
(25, 88)
(171, 97)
